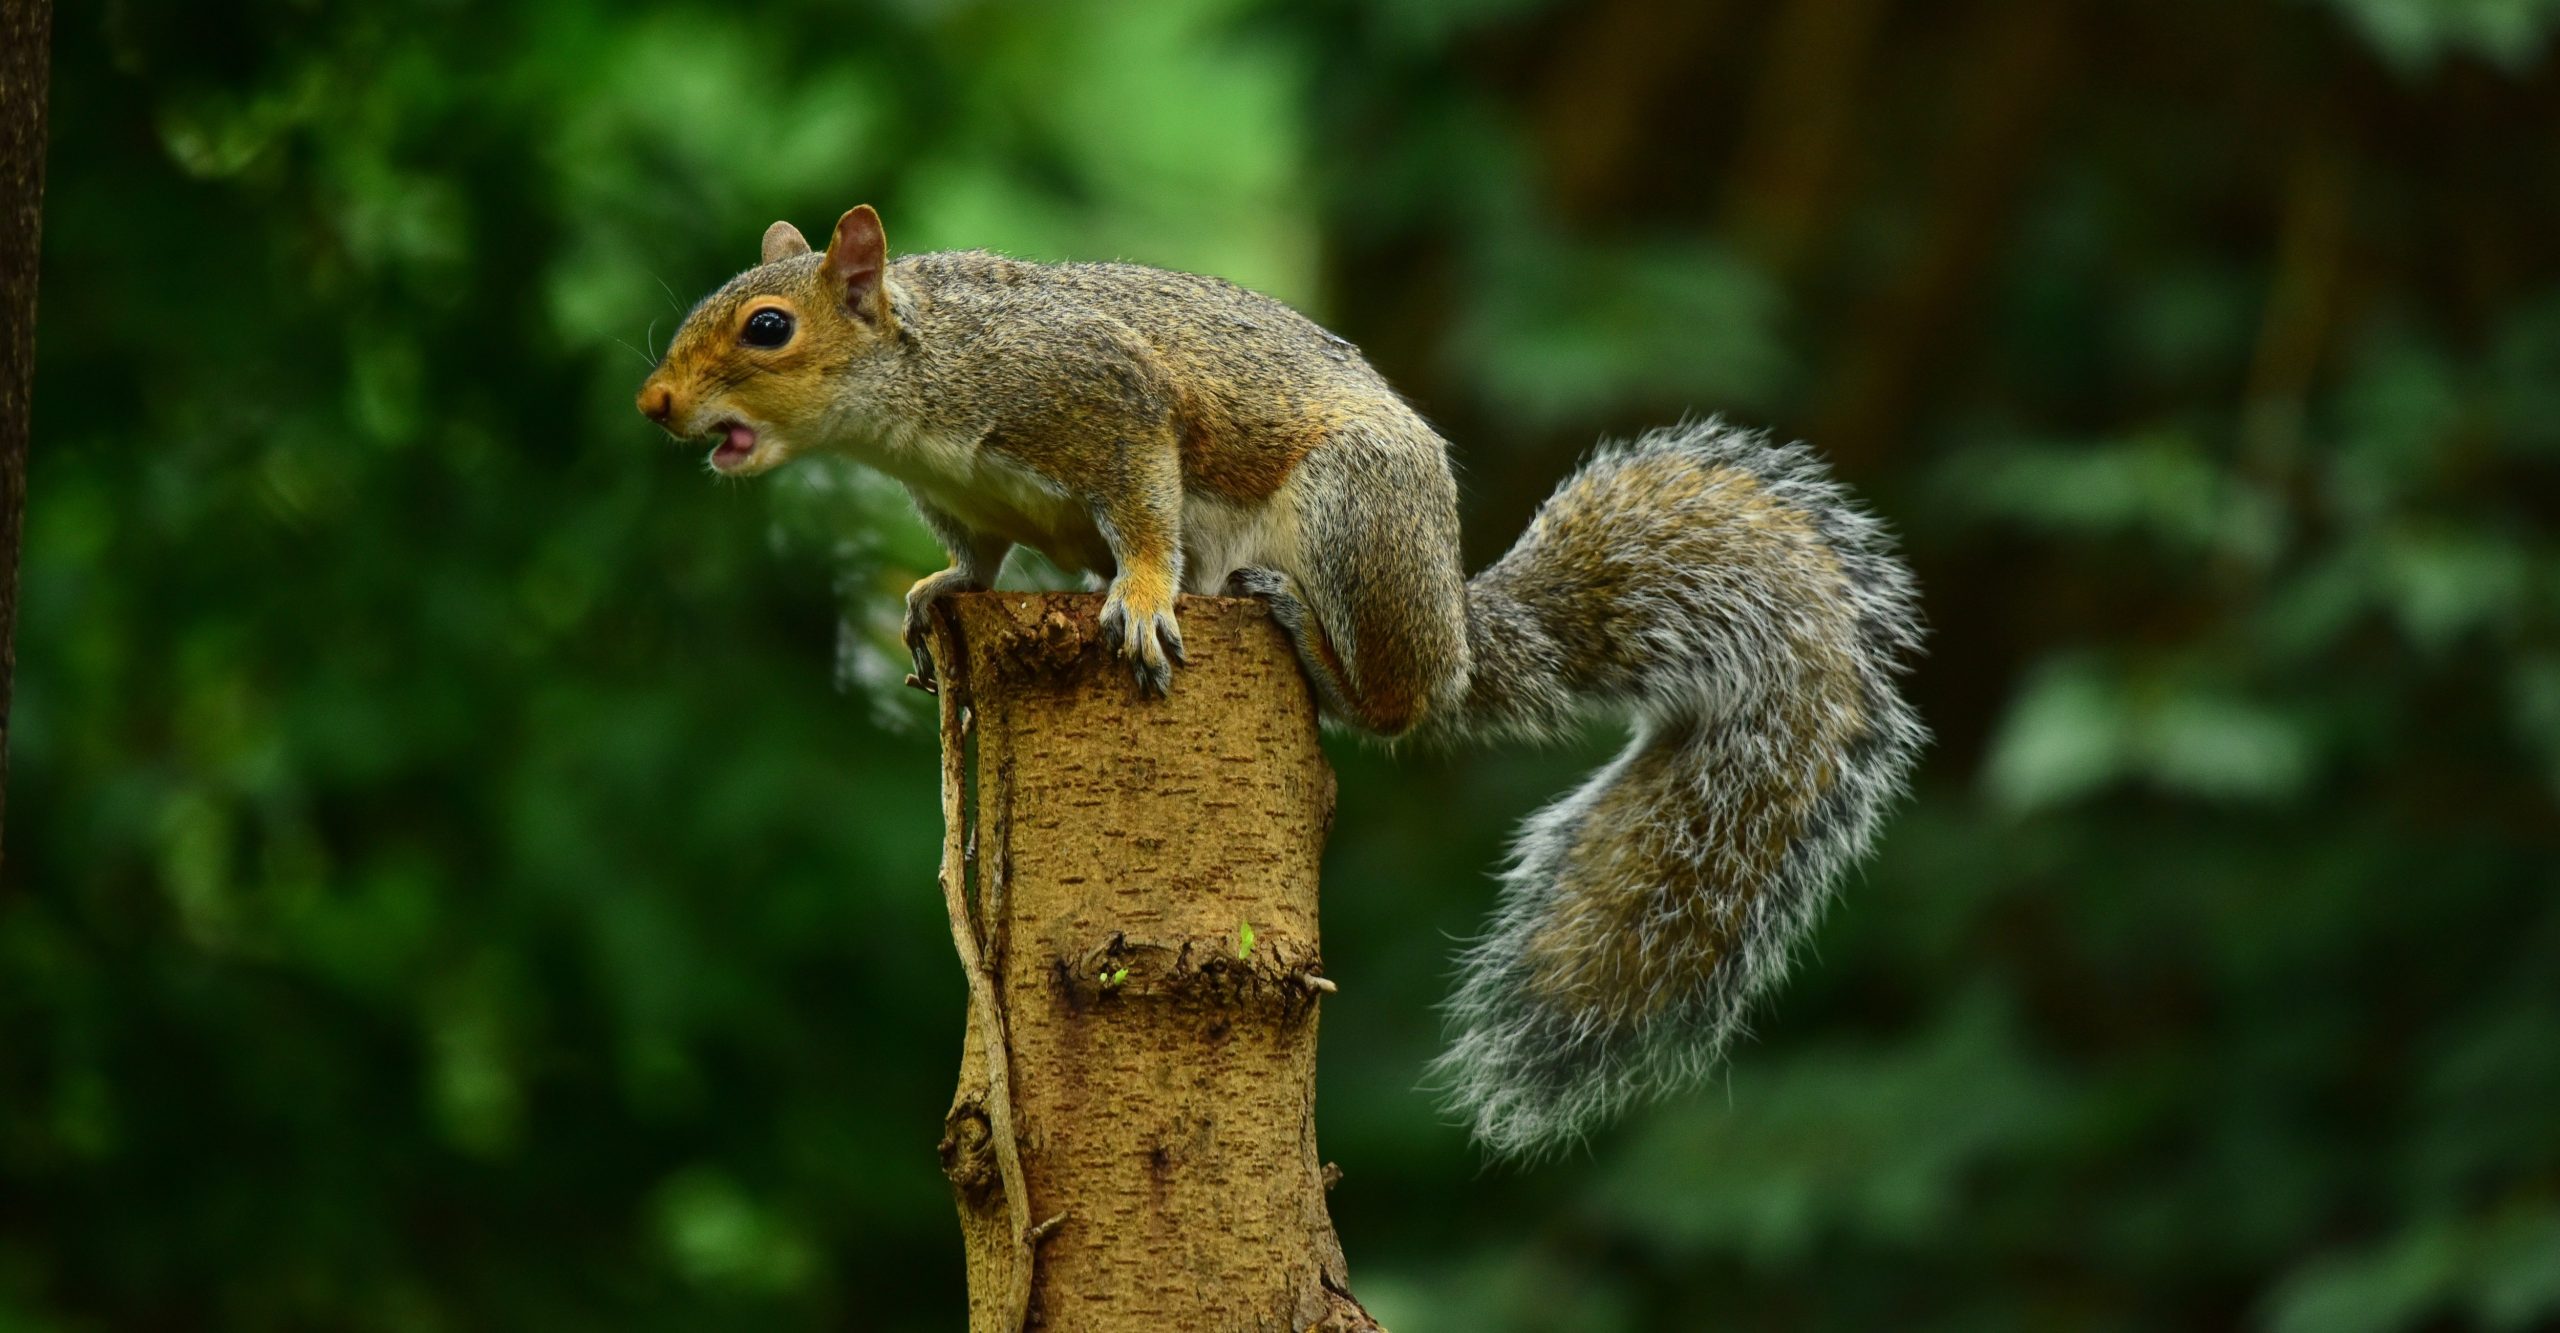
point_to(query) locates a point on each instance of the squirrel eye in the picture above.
(766, 328)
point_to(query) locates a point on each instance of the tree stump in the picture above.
(1132, 884)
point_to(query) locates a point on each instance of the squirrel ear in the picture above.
(782, 241)
(856, 257)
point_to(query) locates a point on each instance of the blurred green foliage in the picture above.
(452, 884)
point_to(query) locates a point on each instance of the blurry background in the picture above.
(461, 878)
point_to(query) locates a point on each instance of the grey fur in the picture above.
(1709, 660)
(1172, 432)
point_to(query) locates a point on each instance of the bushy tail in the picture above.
(1728, 594)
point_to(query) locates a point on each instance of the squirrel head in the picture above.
(769, 365)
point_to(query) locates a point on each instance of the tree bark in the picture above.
(26, 29)
(1132, 1145)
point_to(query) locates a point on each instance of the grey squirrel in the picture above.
(1178, 433)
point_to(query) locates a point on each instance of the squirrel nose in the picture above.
(657, 402)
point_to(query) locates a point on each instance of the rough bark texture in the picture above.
(25, 37)
(1146, 976)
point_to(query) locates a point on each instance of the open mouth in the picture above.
(736, 444)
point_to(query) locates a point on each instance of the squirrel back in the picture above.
(1170, 432)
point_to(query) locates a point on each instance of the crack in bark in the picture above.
(996, 1100)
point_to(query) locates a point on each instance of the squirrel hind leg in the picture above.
(1374, 597)
(1324, 667)
(1345, 693)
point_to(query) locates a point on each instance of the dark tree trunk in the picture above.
(26, 32)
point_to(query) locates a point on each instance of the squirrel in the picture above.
(1175, 433)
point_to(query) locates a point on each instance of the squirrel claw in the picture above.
(1151, 640)
(920, 651)
(919, 625)
(1276, 592)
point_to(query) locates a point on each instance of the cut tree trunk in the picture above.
(25, 40)
(1133, 896)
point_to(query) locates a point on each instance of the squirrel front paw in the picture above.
(1138, 624)
(919, 628)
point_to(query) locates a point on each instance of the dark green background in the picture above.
(464, 876)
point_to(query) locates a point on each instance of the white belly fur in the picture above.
(1220, 537)
(993, 495)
